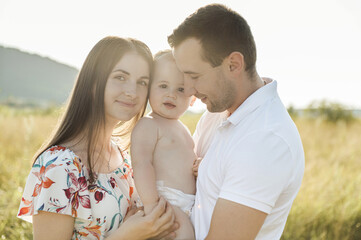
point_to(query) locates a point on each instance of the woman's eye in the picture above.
(121, 78)
(194, 77)
(181, 90)
(163, 86)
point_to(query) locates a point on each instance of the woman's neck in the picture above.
(102, 144)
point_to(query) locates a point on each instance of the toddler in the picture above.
(162, 147)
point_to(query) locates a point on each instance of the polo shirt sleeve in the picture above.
(256, 170)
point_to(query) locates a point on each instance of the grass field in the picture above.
(328, 205)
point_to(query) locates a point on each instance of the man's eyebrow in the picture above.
(190, 72)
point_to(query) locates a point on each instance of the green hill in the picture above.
(30, 79)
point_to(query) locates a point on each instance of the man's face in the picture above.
(210, 84)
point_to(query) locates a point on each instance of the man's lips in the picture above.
(201, 97)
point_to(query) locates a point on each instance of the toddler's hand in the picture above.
(196, 166)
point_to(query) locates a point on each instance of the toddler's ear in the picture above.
(193, 99)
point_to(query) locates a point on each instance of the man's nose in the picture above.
(189, 89)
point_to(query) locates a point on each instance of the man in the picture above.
(253, 158)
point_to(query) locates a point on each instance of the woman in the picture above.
(81, 185)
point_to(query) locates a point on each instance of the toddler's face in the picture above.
(167, 97)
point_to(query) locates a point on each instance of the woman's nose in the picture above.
(130, 90)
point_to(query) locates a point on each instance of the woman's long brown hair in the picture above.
(84, 113)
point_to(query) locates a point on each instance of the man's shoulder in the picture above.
(264, 140)
(266, 153)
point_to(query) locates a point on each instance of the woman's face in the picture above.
(126, 89)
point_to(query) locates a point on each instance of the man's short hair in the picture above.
(220, 31)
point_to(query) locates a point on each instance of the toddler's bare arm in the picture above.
(143, 141)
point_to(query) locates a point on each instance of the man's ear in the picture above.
(193, 99)
(235, 62)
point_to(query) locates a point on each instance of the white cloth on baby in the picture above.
(176, 197)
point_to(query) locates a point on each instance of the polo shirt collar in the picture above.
(258, 98)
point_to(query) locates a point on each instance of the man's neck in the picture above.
(245, 88)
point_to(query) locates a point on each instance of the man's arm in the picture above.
(231, 220)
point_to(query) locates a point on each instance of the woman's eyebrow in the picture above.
(121, 70)
(127, 73)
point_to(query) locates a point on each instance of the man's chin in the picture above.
(215, 109)
(211, 109)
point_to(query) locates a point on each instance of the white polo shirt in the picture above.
(254, 157)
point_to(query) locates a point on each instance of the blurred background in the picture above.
(311, 47)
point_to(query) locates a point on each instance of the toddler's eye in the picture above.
(143, 83)
(163, 86)
(181, 90)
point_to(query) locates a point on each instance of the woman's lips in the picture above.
(126, 104)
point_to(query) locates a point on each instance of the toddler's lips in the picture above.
(169, 105)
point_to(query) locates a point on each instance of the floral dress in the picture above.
(58, 183)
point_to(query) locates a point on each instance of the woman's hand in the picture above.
(159, 224)
(196, 166)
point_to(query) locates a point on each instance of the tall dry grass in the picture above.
(328, 205)
(22, 132)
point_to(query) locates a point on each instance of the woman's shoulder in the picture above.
(58, 156)
(53, 184)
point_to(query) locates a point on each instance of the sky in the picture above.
(311, 47)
